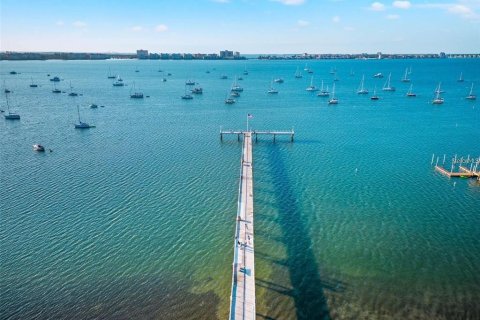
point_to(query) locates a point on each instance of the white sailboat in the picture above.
(405, 76)
(438, 99)
(272, 90)
(460, 79)
(311, 87)
(471, 95)
(387, 86)
(333, 100)
(361, 89)
(110, 75)
(375, 97)
(298, 74)
(323, 92)
(410, 92)
(186, 96)
(10, 115)
(136, 94)
(80, 124)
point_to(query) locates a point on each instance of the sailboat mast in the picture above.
(78, 111)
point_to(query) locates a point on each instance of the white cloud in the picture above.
(161, 28)
(402, 4)
(79, 24)
(336, 19)
(60, 23)
(290, 2)
(465, 10)
(377, 6)
(393, 16)
(137, 28)
(303, 23)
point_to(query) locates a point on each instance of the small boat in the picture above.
(38, 147)
(405, 76)
(298, 74)
(136, 94)
(460, 79)
(333, 100)
(186, 96)
(229, 101)
(33, 85)
(93, 106)
(387, 86)
(352, 73)
(361, 89)
(278, 80)
(438, 99)
(223, 77)
(118, 82)
(323, 92)
(72, 94)
(234, 94)
(333, 70)
(169, 74)
(378, 75)
(245, 72)
(272, 90)
(236, 87)
(190, 83)
(471, 95)
(80, 124)
(197, 90)
(375, 97)
(410, 92)
(164, 79)
(110, 75)
(311, 87)
(55, 89)
(13, 72)
(240, 78)
(55, 79)
(10, 115)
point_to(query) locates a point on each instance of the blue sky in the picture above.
(248, 26)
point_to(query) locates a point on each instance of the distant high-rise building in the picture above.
(142, 54)
(226, 54)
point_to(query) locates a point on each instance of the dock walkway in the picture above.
(242, 297)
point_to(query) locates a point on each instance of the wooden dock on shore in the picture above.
(462, 173)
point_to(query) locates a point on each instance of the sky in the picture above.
(247, 26)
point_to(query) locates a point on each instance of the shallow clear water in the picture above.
(135, 218)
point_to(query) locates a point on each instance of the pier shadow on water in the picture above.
(305, 286)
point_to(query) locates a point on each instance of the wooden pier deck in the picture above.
(242, 299)
(256, 133)
(464, 172)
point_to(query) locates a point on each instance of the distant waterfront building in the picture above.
(443, 55)
(226, 54)
(142, 54)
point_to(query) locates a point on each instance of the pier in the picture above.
(457, 170)
(242, 298)
(256, 133)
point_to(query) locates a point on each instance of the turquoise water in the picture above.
(135, 218)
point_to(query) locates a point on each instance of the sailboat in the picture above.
(72, 94)
(10, 115)
(236, 87)
(361, 89)
(187, 96)
(229, 100)
(405, 76)
(55, 89)
(471, 95)
(118, 82)
(298, 74)
(438, 99)
(110, 75)
(323, 92)
(136, 94)
(374, 97)
(33, 85)
(333, 100)
(272, 90)
(410, 92)
(80, 124)
(460, 79)
(245, 72)
(278, 80)
(311, 87)
(387, 86)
